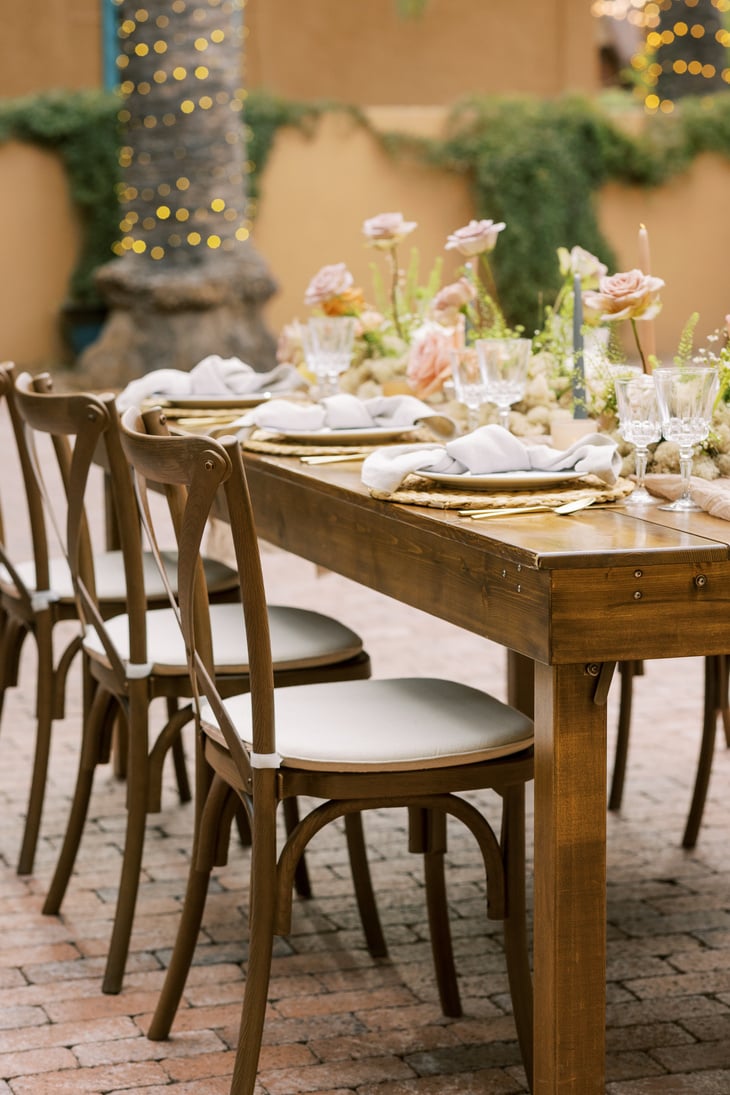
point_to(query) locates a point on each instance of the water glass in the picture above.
(640, 424)
(506, 361)
(686, 397)
(470, 382)
(328, 349)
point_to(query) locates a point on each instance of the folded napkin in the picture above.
(346, 412)
(213, 376)
(488, 451)
(713, 495)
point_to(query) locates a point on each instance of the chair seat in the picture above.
(299, 639)
(109, 573)
(387, 725)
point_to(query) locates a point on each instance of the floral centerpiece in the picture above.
(405, 332)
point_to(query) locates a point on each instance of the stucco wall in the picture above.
(359, 52)
(317, 190)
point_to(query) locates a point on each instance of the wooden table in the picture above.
(573, 595)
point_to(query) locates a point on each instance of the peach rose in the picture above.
(475, 238)
(628, 295)
(429, 358)
(581, 262)
(387, 229)
(348, 303)
(331, 281)
(449, 301)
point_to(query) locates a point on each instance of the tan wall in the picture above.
(39, 241)
(316, 193)
(50, 44)
(365, 53)
(356, 51)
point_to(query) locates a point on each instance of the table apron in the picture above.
(618, 613)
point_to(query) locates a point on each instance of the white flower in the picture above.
(387, 229)
(581, 262)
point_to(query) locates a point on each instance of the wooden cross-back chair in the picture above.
(715, 708)
(138, 654)
(38, 594)
(353, 745)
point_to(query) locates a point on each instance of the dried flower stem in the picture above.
(638, 346)
(394, 289)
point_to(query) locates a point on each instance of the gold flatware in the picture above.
(508, 511)
(333, 458)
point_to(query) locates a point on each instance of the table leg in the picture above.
(570, 883)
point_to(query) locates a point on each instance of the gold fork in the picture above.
(567, 507)
(333, 458)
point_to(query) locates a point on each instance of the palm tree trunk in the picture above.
(187, 281)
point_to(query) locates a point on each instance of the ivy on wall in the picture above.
(81, 127)
(537, 165)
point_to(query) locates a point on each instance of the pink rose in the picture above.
(387, 229)
(475, 238)
(331, 281)
(629, 295)
(449, 301)
(727, 325)
(429, 358)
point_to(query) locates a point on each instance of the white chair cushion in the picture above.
(109, 573)
(299, 639)
(386, 725)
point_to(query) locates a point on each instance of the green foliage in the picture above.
(537, 165)
(81, 127)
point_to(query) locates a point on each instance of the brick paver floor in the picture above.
(338, 1021)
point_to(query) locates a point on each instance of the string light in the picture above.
(649, 65)
(155, 63)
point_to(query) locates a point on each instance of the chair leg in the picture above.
(628, 672)
(714, 677)
(302, 884)
(137, 799)
(261, 942)
(178, 758)
(201, 863)
(44, 725)
(515, 921)
(363, 884)
(427, 835)
(99, 719)
(723, 696)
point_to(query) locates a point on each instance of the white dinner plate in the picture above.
(503, 480)
(360, 435)
(214, 402)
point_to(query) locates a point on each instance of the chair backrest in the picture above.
(205, 467)
(84, 429)
(34, 502)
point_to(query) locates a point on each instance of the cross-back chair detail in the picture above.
(138, 654)
(354, 746)
(36, 595)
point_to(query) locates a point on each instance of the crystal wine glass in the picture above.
(640, 424)
(506, 361)
(686, 396)
(470, 382)
(328, 349)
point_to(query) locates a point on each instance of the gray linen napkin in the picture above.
(489, 451)
(213, 376)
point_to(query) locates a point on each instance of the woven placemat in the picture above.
(416, 491)
(268, 442)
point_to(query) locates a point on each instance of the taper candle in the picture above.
(647, 330)
(579, 389)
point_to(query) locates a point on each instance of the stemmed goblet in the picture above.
(328, 349)
(686, 397)
(470, 382)
(640, 424)
(506, 361)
